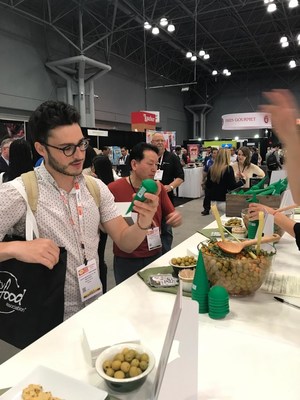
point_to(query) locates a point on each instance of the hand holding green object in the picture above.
(147, 186)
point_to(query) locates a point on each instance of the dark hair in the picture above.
(178, 148)
(103, 168)
(50, 115)
(137, 152)
(90, 154)
(20, 159)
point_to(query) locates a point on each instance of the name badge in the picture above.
(89, 280)
(153, 238)
(159, 175)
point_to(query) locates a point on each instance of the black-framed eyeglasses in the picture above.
(70, 149)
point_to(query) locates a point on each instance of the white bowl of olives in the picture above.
(125, 366)
(182, 262)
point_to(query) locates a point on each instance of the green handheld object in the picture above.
(147, 186)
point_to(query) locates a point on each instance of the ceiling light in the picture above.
(163, 22)
(283, 39)
(298, 37)
(155, 30)
(206, 56)
(214, 72)
(193, 58)
(256, 136)
(236, 138)
(228, 73)
(201, 53)
(185, 89)
(266, 1)
(292, 64)
(189, 54)
(284, 44)
(293, 3)
(271, 7)
(225, 71)
(217, 138)
(147, 25)
(171, 28)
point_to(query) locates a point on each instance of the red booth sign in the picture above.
(141, 120)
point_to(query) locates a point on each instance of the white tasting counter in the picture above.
(254, 353)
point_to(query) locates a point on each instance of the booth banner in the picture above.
(256, 120)
(141, 120)
(169, 136)
(193, 151)
(156, 113)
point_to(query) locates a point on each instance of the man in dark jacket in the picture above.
(171, 175)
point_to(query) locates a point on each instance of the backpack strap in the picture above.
(32, 190)
(93, 188)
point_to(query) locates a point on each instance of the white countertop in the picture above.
(254, 353)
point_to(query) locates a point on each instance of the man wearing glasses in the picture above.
(67, 215)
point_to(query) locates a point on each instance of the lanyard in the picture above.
(79, 209)
(161, 160)
(240, 168)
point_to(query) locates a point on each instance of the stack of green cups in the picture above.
(201, 285)
(218, 302)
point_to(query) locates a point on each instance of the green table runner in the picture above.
(144, 275)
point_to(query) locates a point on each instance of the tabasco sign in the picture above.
(141, 120)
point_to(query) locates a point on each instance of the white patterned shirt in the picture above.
(54, 223)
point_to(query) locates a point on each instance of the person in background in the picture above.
(209, 163)
(255, 157)
(67, 214)
(124, 156)
(144, 162)
(106, 151)
(182, 157)
(220, 180)
(185, 155)
(124, 162)
(273, 158)
(4, 158)
(233, 155)
(102, 169)
(20, 160)
(244, 168)
(90, 154)
(170, 173)
(208, 155)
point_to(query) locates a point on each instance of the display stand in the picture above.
(183, 359)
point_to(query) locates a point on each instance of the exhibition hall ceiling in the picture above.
(240, 36)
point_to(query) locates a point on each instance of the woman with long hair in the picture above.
(243, 166)
(220, 180)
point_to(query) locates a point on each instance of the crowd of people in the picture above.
(67, 215)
